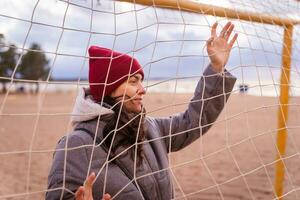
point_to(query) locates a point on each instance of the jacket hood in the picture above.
(86, 108)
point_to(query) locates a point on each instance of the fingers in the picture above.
(232, 41)
(90, 180)
(79, 195)
(106, 197)
(228, 32)
(214, 30)
(225, 33)
(88, 185)
(209, 41)
(225, 30)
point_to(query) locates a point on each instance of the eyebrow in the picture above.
(136, 76)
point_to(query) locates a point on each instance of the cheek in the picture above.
(131, 91)
(133, 106)
(125, 90)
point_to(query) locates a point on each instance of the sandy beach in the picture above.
(234, 160)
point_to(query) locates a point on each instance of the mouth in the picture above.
(138, 99)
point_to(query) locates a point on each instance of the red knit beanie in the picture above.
(105, 64)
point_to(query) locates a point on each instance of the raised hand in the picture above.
(218, 47)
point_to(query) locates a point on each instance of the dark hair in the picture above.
(130, 128)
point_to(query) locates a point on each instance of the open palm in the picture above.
(218, 47)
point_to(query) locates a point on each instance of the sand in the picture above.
(234, 160)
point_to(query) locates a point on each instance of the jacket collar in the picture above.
(86, 108)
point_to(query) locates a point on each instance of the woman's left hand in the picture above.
(218, 47)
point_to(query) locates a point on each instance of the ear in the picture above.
(117, 93)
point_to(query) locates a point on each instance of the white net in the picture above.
(234, 160)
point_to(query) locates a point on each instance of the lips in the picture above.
(138, 99)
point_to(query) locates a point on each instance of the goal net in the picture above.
(250, 152)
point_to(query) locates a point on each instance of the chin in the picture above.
(138, 109)
(135, 108)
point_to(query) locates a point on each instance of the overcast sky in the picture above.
(167, 43)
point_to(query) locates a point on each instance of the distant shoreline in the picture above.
(153, 86)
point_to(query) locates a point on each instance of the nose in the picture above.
(141, 89)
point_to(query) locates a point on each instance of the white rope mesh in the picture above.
(234, 160)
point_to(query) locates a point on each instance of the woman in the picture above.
(125, 152)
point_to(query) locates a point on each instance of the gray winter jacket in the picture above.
(77, 154)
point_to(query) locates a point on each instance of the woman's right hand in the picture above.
(85, 192)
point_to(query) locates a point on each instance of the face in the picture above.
(131, 93)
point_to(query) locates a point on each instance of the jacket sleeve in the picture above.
(68, 170)
(211, 94)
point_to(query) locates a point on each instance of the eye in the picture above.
(133, 80)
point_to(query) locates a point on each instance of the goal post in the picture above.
(201, 8)
(287, 24)
(283, 108)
